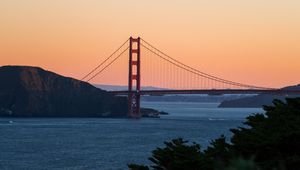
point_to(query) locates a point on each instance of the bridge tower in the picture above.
(134, 78)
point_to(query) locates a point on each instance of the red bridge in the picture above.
(173, 76)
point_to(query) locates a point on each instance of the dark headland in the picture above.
(34, 92)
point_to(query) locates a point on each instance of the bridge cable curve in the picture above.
(211, 77)
(103, 62)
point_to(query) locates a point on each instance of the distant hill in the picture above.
(116, 87)
(258, 100)
(31, 91)
(194, 98)
(175, 98)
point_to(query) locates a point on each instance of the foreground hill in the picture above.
(259, 100)
(31, 91)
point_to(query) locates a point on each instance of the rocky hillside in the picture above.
(33, 92)
(259, 100)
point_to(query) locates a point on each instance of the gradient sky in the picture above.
(249, 41)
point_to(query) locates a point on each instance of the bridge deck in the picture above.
(211, 92)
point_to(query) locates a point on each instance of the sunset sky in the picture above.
(250, 41)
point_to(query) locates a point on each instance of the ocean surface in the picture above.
(104, 143)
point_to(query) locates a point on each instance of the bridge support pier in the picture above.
(134, 77)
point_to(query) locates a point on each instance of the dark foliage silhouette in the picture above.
(267, 141)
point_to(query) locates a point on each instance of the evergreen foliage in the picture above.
(268, 141)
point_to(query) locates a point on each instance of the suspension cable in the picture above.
(107, 65)
(186, 69)
(104, 61)
(202, 73)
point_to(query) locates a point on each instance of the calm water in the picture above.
(73, 143)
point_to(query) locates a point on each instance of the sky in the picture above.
(249, 41)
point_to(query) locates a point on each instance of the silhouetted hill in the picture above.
(31, 91)
(258, 100)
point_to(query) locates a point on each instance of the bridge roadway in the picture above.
(211, 92)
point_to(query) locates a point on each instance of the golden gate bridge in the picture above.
(173, 76)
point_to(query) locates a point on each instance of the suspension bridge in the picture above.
(161, 70)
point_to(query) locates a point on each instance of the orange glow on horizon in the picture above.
(252, 42)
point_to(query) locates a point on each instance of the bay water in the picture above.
(105, 143)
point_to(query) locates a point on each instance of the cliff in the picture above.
(33, 92)
(259, 100)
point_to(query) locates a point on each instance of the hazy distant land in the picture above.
(259, 100)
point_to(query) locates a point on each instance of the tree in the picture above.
(137, 167)
(267, 141)
(273, 138)
(176, 155)
(241, 163)
(217, 155)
